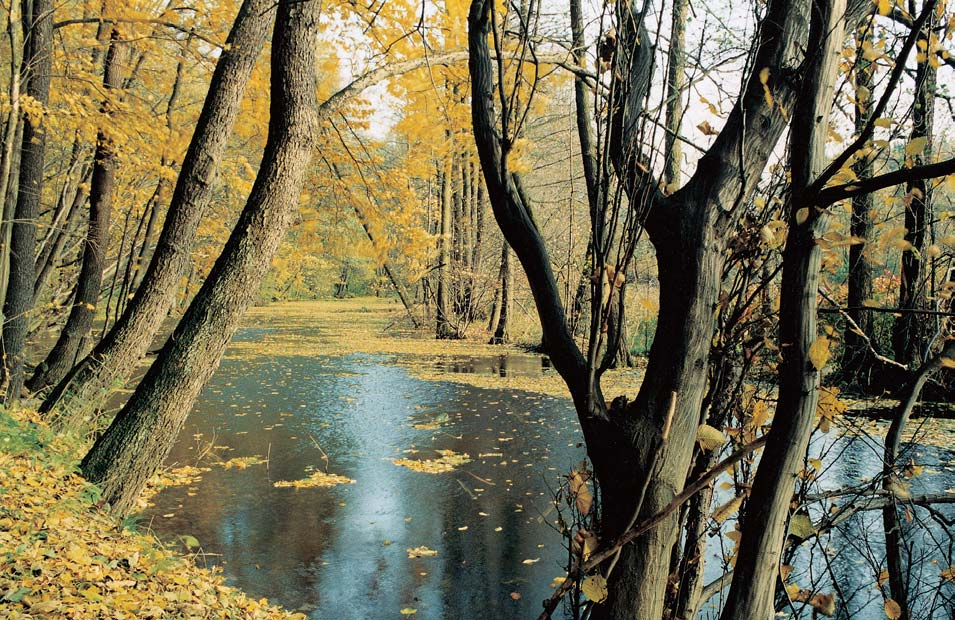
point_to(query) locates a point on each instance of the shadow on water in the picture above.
(341, 552)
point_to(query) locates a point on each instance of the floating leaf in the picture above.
(595, 588)
(445, 463)
(317, 479)
(421, 552)
(531, 561)
(408, 611)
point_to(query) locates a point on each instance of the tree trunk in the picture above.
(857, 359)
(37, 63)
(676, 84)
(81, 392)
(898, 583)
(142, 434)
(443, 327)
(501, 335)
(68, 346)
(910, 331)
(756, 572)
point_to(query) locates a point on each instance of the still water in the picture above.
(342, 552)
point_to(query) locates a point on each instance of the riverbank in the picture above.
(61, 556)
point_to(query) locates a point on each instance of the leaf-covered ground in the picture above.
(63, 557)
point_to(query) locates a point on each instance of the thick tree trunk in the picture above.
(142, 434)
(111, 363)
(69, 346)
(910, 331)
(857, 360)
(37, 63)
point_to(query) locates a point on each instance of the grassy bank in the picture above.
(61, 556)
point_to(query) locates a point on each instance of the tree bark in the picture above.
(69, 345)
(756, 573)
(909, 332)
(857, 360)
(443, 327)
(501, 334)
(142, 434)
(37, 64)
(117, 355)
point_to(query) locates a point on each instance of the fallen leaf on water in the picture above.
(317, 479)
(529, 562)
(421, 552)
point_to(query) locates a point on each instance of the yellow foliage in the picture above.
(61, 557)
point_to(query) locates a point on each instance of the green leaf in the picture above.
(801, 526)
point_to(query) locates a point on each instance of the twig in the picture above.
(632, 534)
(865, 337)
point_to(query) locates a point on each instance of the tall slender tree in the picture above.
(143, 433)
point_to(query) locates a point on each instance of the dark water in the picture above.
(340, 552)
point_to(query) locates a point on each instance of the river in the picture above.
(343, 551)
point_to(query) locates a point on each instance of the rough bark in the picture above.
(688, 230)
(910, 332)
(764, 528)
(117, 355)
(142, 434)
(37, 63)
(501, 334)
(676, 84)
(857, 361)
(69, 345)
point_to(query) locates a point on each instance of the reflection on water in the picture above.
(341, 552)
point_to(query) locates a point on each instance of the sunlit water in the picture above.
(341, 552)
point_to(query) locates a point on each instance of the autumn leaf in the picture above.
(916, 146)
(801, 526)
(727, 509)
(579, 490)
(595, 588)
(710, 438)
(892, 609)
(824, 603)
(819, 352)
(885, 7)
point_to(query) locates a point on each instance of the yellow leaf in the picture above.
(728, 509)
(580, 491)
(408, 611)
(595, 588)
(892, 610)
(764, 80)
(916, 146)
(948, 574)
(709, 438)
(819, 352)
(885, 7)
(802, 215)
(883, 122)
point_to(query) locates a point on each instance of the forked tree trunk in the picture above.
(113, 360)
(688, 229)
(137, 442)
(68, 346)
(37, 65)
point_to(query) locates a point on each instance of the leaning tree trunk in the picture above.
(37, 63)
(117, 355)
(142, 434)
(69, 346)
